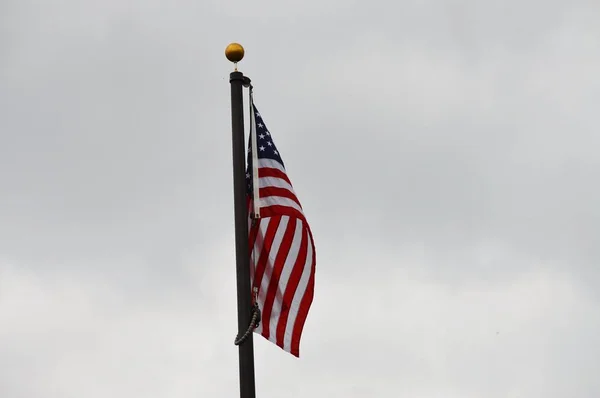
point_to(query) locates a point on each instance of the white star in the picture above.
(269, 143)
(260, 125)
(247, 175)
(267, 133)
(257, 114)
(261, 136)
(275, 152)
(262, 148)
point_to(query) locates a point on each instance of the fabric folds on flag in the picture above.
(282, 249)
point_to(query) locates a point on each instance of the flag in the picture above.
(283, 256)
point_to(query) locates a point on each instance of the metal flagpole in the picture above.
(235, 53)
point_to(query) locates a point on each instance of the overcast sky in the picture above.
(446, 154)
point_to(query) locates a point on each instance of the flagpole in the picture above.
(235, 53)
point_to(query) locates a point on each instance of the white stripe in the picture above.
(280, 201)
(266, 182)
(298, 295)
(288, 266)
(264, 283)
(270, 163)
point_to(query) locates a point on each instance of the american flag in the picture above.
(283, 253)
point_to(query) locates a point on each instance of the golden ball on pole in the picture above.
(234, 52)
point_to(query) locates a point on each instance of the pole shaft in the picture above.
(242, 254)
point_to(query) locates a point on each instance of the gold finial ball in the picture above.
(234, 52)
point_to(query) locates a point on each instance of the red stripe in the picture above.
(291, 287)
(304, 304)
(276, 191)
(302, 315)
(252, 237)
(279, 210)
(252, 233)
(270, 172)
(278, 264)
(263, 256)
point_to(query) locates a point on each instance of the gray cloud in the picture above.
(445, 153)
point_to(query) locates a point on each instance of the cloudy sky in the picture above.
(445, 152)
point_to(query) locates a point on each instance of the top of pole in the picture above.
(234, 53)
